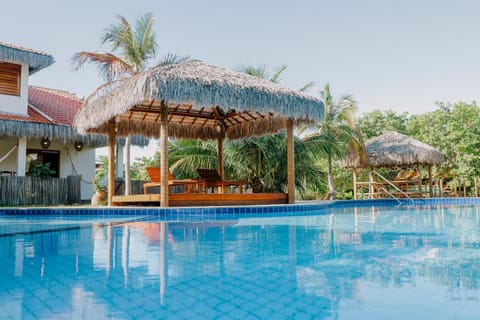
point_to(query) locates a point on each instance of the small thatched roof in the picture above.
(35, 59)
(395, 149)
(199, 97)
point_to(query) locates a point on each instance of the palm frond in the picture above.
(277, 73)
(109, 66)
(171, 58)
(307, 86)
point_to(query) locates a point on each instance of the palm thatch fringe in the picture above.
(36, 60)
(65, 134)
(393, 149)
(152, 129)
(200, 85)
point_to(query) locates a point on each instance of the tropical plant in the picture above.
(41, 170)
(137, 47)
(336, 133)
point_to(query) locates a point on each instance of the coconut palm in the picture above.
(336, 133)
(264, 157)
(137, 48)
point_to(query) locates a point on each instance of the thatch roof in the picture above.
(35, 59)
(65, 134)
(395, 149)
(199, 96)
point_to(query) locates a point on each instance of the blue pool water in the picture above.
(384, 262)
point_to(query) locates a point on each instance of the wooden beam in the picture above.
(164, 155)
(111, 161)
(430, 186)
(290, 162)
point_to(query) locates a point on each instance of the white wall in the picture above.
(83, 161)
(10, 163)
(14, 104)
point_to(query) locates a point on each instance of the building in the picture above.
(36, 123)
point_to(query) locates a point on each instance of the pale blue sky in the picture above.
(401, 55)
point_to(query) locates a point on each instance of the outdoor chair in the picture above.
(189, 185)
(404, 179)
(212, 179)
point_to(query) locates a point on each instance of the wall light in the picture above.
(45, 143)
(78, 145)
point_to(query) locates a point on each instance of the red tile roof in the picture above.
(60, 106)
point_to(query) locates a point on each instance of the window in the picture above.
(10, 78)
(47, 158)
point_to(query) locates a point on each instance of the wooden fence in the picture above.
(24, 191)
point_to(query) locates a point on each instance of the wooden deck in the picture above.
(202, 199)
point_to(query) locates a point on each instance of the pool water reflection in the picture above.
(346, 263)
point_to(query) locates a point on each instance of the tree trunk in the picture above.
(126, 162)
(331, 188)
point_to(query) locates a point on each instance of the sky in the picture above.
(399, 55)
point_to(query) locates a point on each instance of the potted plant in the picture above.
(100, 196)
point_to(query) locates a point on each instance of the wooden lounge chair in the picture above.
(189, 185)
(212, 179)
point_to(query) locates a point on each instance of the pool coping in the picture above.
(254, 209)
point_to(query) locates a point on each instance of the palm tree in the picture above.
(336, 134)
(137, 47)
(262, 157)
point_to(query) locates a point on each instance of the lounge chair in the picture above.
(212, 179)
(189, 185)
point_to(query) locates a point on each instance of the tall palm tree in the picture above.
(336, 133)
(137, 48)
(262, 155)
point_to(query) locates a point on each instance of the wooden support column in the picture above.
(370, 184)
(220, 159)
(475, 183)
(354, 184)
(430, 187)
(163, 155)
(441, 187)
(419, 181)
(111, 161)
(290, 162)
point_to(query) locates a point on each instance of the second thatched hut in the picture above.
(394, 150)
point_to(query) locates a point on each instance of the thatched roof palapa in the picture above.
(395, 149)
(35, 59)
(199, 98)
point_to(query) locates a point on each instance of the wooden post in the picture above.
(220, 159)
(419, 181)
(290, 162)
(430, 188)
(370, 184)
(354, 184)
(220, 154)
(111, 161)
(441, 187)
(475, 183)
(163, 155)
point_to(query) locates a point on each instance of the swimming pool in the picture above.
(334, 261)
